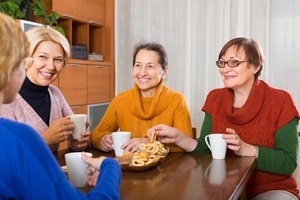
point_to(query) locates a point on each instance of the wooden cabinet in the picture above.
(85, 83)
(73, 83)
(92, 11)
(80, 109)
(70, 8)
(99, 84)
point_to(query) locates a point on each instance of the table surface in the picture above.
(183, 176)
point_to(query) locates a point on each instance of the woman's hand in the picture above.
(133, 145)
(92, 178)
(164, 133)
(59, 131)
(106, 143)
(84, 142)
(235, 143)
(93, 169)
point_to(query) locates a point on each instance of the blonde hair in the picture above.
(14, 47)
(40, 34)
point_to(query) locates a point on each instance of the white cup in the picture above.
(119, 138)
(217, 145)
(79, 121)
(216, 172)
(76, 168)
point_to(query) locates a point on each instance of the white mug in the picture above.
(76, 168)
(217, 145)
(119, 138)
(79, 121)
(216, 172)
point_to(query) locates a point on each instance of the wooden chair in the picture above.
(194, 132)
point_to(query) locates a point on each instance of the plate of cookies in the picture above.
(149, 156)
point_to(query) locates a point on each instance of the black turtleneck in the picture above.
(38, 98)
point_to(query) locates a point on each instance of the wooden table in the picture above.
(183, 176)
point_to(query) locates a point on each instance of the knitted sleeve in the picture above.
(182, 122)
(286, 109)
(182, 119)
(283, 158)
(107, 125)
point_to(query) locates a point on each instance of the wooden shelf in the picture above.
(89, 23)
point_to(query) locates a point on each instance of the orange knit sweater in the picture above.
(128, 111)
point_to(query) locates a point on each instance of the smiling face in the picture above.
(239, 77)
(48, 61)
(147, 72)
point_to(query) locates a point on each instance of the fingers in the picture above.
(93, 162)
(229, 130)
(85, 158)
(92, 178)
(85, 136)
(88, 123)
(106, 143)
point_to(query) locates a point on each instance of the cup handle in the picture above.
(206, 141)
(207, 170)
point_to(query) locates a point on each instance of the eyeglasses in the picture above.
(231, 63)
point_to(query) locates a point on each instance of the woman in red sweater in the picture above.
(256, 119)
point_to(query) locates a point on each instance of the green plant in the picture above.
(39, 11)
(12, 8)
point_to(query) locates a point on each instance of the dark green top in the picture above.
(267, 157)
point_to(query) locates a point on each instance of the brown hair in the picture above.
(152, 46)
(252, 49)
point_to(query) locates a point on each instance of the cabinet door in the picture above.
(73, 84)
(82, 109)
(94, 11)
(99, 84)
(68, 8)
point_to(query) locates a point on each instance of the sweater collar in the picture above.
(31, 90)
(160, 101)
(251, 107)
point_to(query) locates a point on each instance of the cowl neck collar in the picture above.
(251, 107)
(158, 103)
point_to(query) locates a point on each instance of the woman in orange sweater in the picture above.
(147, 104)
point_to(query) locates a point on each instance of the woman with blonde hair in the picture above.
(40, 104)
(28, 168)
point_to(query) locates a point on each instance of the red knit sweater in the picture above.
(266, 110)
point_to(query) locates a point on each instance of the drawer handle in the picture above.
(75, 107)
(99, 66)
(68, 16)
(75, 65)
(94, 22)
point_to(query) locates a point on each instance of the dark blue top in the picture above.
(28, 169)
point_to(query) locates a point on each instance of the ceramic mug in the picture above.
(119, 138)
(217, 145)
